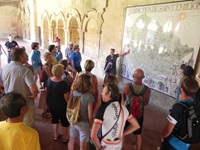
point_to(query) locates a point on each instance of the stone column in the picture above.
(33, 20)
(50, 34)
(50, 39)
(99, 40)
(66, 37)
(81, 39)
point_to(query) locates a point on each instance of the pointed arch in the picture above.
(61, 27)
(45, 14)
(61, 17)
(73, 13)
(92, 24)
(73, 26)
(93, 14)
(45, 29)
(53, 27)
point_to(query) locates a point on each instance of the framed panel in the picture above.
(161, 38)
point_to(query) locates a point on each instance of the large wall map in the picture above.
(161, 38)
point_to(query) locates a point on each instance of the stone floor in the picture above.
(154, 121)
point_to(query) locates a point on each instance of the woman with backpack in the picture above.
(82, 88)
(89, 65)
(46, 73)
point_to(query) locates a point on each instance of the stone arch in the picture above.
(92, 24)
(45, 29)
(53, 27)
(73, 31)
(91, 39)
(61, 27)
(93, 14)
(74, 27)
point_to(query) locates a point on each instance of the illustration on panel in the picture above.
(161, 38)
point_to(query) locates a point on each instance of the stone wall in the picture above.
(9, 21)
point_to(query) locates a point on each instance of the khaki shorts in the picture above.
(29, 117)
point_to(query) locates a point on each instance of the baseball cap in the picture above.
(57, 44)
(187, 70)
(70, 43)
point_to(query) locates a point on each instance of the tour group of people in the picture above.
(104, 118)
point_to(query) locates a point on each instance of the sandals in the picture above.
(46, 115)
(57, 137)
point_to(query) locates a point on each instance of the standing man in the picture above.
(14, 133)
(175, 119)
(187, 72)
(68, 52)
(137, 88)
(110, 66)
(58, 55)
(19, 78)
(76, 59)
(9, 45)
(110, 119)
(36, 62)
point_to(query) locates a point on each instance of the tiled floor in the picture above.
(154, 122)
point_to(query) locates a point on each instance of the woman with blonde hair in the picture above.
(89, 65)
(46, 73)
(66, 76)
(57, 98)
(110, 79)
(82, 88)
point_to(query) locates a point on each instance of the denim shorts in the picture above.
(82, 129)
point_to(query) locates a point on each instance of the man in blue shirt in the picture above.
(36, 61)
(76, 59)
(58, 54)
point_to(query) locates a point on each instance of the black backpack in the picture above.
(190, 130)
